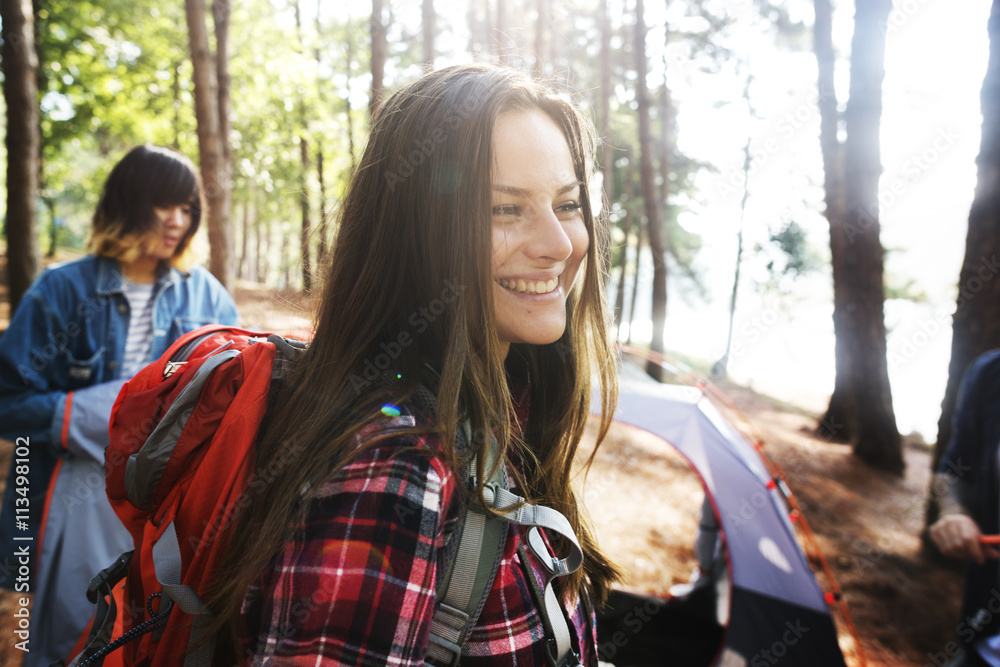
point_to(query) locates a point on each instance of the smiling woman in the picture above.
(461, 322)
(539, 234)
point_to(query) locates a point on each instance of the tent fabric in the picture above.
(774, 592)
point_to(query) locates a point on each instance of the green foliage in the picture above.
(115, 74)
(787, 256)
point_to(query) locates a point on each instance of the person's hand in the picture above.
(957, 535)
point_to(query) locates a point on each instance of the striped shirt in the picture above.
(356, 584)
(139, 342)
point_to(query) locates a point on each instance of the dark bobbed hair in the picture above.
(410, 285)
(148, 177)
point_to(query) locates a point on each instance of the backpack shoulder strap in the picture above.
(469, 577)
(477, 559)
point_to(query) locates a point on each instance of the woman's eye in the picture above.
(506, 209)
(569, 207)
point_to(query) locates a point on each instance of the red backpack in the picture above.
(180, 469)
(181, 455)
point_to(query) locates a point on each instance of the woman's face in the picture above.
(539, 235)
(172, 223)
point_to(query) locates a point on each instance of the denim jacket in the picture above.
(60, 372)
(60, 361)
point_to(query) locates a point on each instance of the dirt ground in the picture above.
(867, 524)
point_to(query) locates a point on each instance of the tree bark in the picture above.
(215, 178)
(635, 278)
(347, 98)
(427, 23)
(654, 225)
(975, 327)
(607, 155)
(875, 439)
(500, 43)
(306, 230)
(20, 90)
(540, 28)
(629, 218)
(835, 424)
(379, 52)
(50, 205)
(323, 214)
(221, 11)
(243, 266)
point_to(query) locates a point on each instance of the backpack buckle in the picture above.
(454, 649)
(108, 577)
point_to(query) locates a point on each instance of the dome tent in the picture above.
(778, 614)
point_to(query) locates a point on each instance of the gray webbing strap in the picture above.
(538, 516)
(167, 564)
(535, 517)
(557, 621)
(473, 568)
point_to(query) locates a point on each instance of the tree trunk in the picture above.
(323, 232)
(243, 268)
(20, 90)
(654, 225)
(286, 265)
(177, 106)
(428, 26)
(50, 204)
(500, 43)
(259, 253)
(321, 250)
(607, 155)
(875, 438)
(213, 171)
(347, 98)
(629, 191)
(221, 10)
(976, 328)
(721, 367)
(540, 28)
(379, 51)
(666, 133)
(487, 29)
(306, 231)
(835, 424)
(635, 279)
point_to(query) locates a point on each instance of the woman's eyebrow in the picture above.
(522, 192)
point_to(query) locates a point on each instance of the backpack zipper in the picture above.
(180, 357)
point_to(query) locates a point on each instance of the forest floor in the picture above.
(867, 524)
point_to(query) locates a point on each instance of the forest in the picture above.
(803, 199)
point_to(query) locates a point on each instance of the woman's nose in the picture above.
(549, 239)
(175, 217)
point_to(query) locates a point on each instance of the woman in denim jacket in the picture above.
(82, 329)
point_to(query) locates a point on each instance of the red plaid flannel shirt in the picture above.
(356, 586)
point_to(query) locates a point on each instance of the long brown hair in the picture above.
(410, 285)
